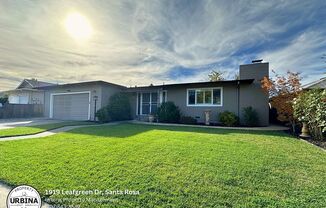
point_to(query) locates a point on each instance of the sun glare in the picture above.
(78, 26)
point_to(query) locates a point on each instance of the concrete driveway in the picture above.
(11, 123)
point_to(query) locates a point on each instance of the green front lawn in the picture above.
(27, 130)
(170, 167)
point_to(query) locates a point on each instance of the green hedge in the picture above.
(168, 112)
(228, 118)
(118, 109)
(250, 116)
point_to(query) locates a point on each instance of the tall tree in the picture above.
(282, 91)
(3, 99)
(214, 76)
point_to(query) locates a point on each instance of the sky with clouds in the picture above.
(155, 41)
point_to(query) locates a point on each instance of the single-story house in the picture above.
(194, 99)
(80, 101)
(27, 92)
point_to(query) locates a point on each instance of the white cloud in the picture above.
(302, 55)
(138, 42)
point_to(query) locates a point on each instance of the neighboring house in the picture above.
(80, 101)
(26, 92)
(318, 84)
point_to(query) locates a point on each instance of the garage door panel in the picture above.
(71, 106)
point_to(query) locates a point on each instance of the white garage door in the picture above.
(71, 106)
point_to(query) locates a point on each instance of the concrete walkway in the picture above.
(54, 131)
(11, 123)
(264, 128)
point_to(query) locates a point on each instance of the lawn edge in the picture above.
(17, 135)
(318, 147)
(208, 127)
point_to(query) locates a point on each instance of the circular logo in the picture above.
(23, 197)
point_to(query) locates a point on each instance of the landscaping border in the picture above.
(265, 128)
(312, 144)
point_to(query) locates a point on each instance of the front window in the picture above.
(154, 98)
(164, 96)
(145, 106)
(200, 96)
(191, 97)
(205, 97)
(217, 97)
(147, 103)
(208, 97)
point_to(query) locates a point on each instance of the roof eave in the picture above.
(243, 81)
(81, 83)
(23, 89)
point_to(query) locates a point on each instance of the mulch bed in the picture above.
(321, 144)
(318, 143)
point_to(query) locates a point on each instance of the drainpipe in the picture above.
(95, 99)
(238, 94)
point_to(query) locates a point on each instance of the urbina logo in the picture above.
(24, 196)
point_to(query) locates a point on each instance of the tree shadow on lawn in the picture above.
(31, 130)
(125, 130)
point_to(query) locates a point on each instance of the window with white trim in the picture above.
(163, 96)
(204, 97)
(147, 103)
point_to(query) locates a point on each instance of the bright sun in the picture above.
(78, 26)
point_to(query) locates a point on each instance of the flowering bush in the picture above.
(310, 107)
(282, 90)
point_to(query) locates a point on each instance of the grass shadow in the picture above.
(31, 130)
(125, 130)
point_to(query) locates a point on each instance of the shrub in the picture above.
(228, 118)
(103, 115)
(4, 100)
(187, 120)
(168, 112)
(310, 107)
(119, 107)
(250, 116)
